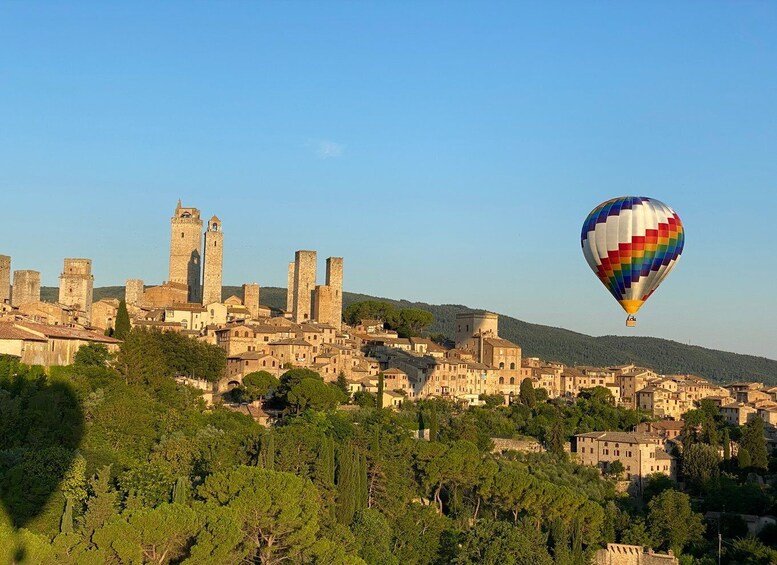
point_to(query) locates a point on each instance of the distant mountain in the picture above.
(556, 344)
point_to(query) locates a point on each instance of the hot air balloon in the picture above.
(632, 243)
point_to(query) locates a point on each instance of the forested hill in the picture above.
(558, 344)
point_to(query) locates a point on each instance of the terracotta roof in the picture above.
(499, 342)
(291, 341)
(63, 332)
(9, 331)
(622, 437)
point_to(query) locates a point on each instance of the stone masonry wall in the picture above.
(133, 292)
(251, 299)
(334, 280)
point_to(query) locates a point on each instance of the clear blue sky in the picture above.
(449, 151)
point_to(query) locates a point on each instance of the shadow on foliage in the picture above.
(41, 425)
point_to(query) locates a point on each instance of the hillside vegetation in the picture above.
(549, 343)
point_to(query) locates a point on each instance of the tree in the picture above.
(122, 328)
(673, 524)
(92, 355)
(743, 458)
(726, 445)
(373, 530)
(379, 397)
(526, 394)
(259, 384)
(277, 512)
(615, 469)
(700, 464)
(412, 321)
(342, 384)
(314, 394)
(495, 542)
(557, 438)
(754, 442)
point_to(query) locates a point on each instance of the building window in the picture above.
(512, 366)
(501, 365)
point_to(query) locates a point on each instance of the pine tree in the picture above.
(122, 322)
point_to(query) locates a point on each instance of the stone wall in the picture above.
(522, 445)
(213, 259)
(5, 279)
(304, 285)
(26, 287)
(76, 285)
(251, 299)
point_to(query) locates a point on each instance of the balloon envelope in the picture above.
(632, 243)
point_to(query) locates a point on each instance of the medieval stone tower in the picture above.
(290, 289)
(76, 285)
(5, 279)
(26, 287)
(213, 259)
(185, 246)
(304, 285)
(133, 292)
(328, 298)
(251, 299)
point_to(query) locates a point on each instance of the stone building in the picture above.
(165, 295)
(640, 454)
(133, 292)
(104, 314)
(76, 285)
(46, 345)
(334, 280)
(213, 260)
(290, 290)
(5, 279)
(471, 325)
(304, 285)
(26, 287)
(185, 250)
(251, 299)
(622, 554)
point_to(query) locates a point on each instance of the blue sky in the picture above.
(450, 151)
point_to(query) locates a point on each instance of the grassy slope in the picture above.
(558, 344)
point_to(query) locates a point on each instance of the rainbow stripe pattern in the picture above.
(632, 243)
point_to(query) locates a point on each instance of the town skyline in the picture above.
(448, 165)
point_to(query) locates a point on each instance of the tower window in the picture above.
(182, 235)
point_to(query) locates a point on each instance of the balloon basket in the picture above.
(631, 321)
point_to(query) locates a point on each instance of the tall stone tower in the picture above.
(251, 299)
(5, 279)
(334, 279)
(133, 292)
(185, 249)
(26, 287)
(290, 289)
(325, 306)
(76, 285)
(304, 285)
(213, 260)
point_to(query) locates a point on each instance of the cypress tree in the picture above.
(342, 384)
(743, 458)
(363, 498)
(347, 485)
(122, 322)
(66, 524)
(726, 445)
(434, 426)
(268, 452)
(380, 391)
(754, 442)
(181, 491)
(556, 436)
(325, 464)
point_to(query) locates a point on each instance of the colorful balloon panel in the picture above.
(632, 243)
